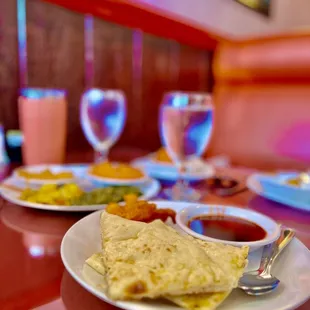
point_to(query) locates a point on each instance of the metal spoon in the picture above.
(261, 281)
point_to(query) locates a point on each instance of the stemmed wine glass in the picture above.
(102, 116)
(186, 122)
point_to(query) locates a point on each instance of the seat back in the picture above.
(262, 100)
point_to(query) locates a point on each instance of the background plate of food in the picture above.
(159, 165)
(47, 174)
(72, 197)
(147, 265)
(117, 174)
(284, 187)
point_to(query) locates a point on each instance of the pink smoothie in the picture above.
(43, 122)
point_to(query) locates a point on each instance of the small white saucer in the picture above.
(270, 226)
(197, 169)
(112, 181)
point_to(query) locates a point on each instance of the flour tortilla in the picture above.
(209, 301)
(153, 260)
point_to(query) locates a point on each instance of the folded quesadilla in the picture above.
(153, 260)
(208, 301)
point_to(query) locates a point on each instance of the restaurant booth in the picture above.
(261, 95)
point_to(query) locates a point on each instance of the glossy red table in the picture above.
(32, 274)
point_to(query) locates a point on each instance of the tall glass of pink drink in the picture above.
(43, 121)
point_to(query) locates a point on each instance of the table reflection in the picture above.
(31, 267)
(290, 217)
(40, 245)
(42, 231)
(4, 170)
(75, 297)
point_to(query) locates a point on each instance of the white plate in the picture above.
(149, 190)
(52, 168)
(292, 268)
(278, 192)
(197, 169)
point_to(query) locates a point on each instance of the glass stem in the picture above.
(101, 156)
(181, 183)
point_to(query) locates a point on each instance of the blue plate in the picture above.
(274, 187)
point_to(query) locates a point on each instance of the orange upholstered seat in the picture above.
(262, 99)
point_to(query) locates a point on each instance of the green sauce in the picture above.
(106, 195)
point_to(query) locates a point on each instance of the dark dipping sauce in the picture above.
(227, 228)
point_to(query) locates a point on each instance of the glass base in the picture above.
(179, 193)
(100, 157)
